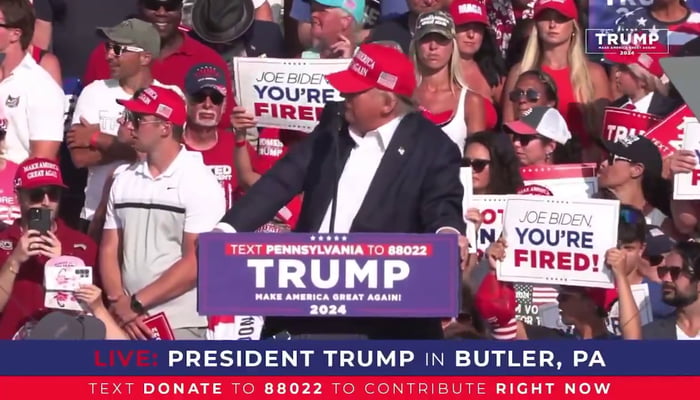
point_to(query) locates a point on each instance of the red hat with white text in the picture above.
(161, 102)
(467, 11)
(37, 172)
(376, 66)
(566, 8)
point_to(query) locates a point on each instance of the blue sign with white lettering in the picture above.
(352, 275)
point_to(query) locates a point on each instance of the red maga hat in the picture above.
(158, 101)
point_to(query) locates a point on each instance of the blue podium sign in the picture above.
(352, 275)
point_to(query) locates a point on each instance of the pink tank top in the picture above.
(9, 206)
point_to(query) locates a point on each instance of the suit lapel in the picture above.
(655, 104)
(395, 157)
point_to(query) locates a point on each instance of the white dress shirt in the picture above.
(641, 105)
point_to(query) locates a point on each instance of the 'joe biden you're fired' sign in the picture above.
(310, 274)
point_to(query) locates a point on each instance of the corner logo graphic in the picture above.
(627, 42)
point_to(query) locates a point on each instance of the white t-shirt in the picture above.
(32, 107)
(682, 336)
(98, 105)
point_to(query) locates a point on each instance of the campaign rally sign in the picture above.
(687, 186)
(285, 93)
(312, 274)
(465, 177)
(558, 241)
(563, 180)
(667, 135)
(618, 123)
(491, 208)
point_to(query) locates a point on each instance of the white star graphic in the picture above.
(313, 238)
(642, 21)
(344, 238)
(654, 30)
(320, 238)
(329, 238)
(336, 238)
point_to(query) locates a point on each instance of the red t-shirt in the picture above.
(170, 70)
(26, 301)
(270, 149)
(220, 159)
(9, 206)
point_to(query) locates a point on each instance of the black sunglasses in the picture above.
(675, 272)
(525, 139)
(531, 95)
(137, 119)
(168, 5)
(477, 164)
(36, 195)
(201, 96)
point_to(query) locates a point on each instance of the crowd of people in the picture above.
(120, 118)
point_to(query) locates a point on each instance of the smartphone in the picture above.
(39, 220)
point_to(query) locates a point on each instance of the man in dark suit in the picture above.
(681, 289)
(391, 170)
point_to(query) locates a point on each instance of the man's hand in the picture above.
(137, 330)
(121, 309)
(342, 48)
(79, 134)
(49, 246)
(242, 120)
(496, 252)
(474, 216)
(27, 246)
(616, 260)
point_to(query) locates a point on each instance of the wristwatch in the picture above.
(136, 306)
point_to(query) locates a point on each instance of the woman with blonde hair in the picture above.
(441, 93)
(556, 47)
(638, 78)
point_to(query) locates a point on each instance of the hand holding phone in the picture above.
(39, 219)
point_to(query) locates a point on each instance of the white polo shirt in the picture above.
(32, 107)
(154, 214)
(98, 105)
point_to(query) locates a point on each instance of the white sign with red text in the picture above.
(563, 180)
(686, 186)
(491, 208)
(667, 134)
(558, 241)
(465, 177)
(285, 93)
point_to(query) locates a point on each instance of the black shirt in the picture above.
(395, 29)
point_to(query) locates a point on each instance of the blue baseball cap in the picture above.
(203, 76)
(356, 8)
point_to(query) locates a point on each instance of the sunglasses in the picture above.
(120, 49)
(36, 195)
(201, 96)
(530, 95)
(675, 272)
(614, 157)
(478, 165)
(168, 5)
(524, 139)
(137, 119)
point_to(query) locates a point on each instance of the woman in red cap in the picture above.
(441, 92)
(556, 47)
(481, 62)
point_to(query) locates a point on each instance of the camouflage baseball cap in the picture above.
(134, 32)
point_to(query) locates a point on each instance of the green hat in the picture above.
(134, 32)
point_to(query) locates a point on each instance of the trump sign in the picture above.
(294, 274)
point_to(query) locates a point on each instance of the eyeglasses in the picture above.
(119, 49)
(675, 272)
(524, 139)
(200, 97)
(36, 195)
(168, 5)
(614, 157)
(530, 95)
(478, 165)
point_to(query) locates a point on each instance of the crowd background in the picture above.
(86, 84)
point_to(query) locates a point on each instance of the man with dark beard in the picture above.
(681, 284)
